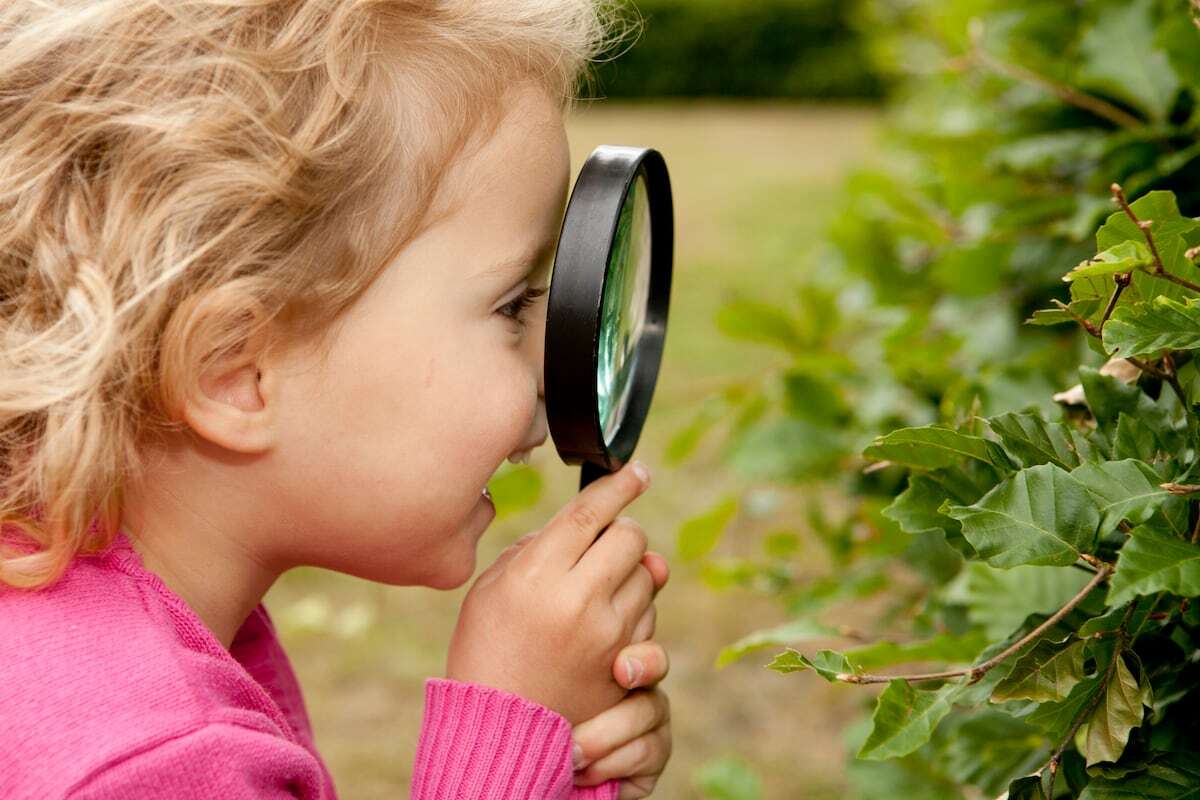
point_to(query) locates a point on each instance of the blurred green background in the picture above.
(871, 198)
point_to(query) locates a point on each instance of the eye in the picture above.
(515, 309)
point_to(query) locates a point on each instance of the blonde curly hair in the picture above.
(178, 172)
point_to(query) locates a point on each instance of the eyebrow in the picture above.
(519, 266)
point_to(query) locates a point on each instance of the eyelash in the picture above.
(521, 303)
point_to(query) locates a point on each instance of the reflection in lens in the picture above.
(623, 312)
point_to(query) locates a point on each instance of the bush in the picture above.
(1016, 455)
(715, 48)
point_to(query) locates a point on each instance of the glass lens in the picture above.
(623, 311)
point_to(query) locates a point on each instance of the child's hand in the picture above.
(547, 620)
(632, 740)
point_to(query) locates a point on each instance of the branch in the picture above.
(1068, 94)
(1056, 757)
(978, 671)
(1144, 226)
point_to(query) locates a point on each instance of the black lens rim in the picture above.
(576, 298)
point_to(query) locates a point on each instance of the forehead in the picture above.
(503, 197)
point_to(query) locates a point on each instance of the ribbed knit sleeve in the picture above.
(482, 743)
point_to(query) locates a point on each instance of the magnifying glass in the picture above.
(607, 312)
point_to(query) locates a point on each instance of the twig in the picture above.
(1122, 280)
(978, 671)
(1087, 326)
(1067, 94)
(1144, 226)
(1056, 758)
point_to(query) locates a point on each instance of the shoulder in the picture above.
(95, 668)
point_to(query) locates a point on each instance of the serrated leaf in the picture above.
(1135, 439)
(1104, 735)
(1027, 789)
(1126, 490)
(1119, 57)
(788, 633)
(905, 718)
(1161, 324)
(1057, 719)
(1040, 516)
(1170, 776)
(915, 509)
(1154, 561)
(933, 447)
(1035, 441)
(1124, 257)
(1047, 673)
(700, 534)
(1160, 207)
(826, 663)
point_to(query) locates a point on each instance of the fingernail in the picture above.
(577, 755)
(642, 472)
(633, 670)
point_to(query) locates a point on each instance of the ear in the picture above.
(233, 403)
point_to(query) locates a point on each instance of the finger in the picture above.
(570, 532)
(637, 787)
(638, 714)
(659, 569)
(645, 626)
(506, 555)
(641, 664)
(613, 557)
(645, 755)
(635, 595)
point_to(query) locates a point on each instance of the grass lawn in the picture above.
(753, 186)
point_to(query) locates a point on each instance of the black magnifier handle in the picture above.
(589, 472)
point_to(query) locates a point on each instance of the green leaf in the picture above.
(1135, 439)
(1154, 561)
(1124, 257)
(915, 509)
(1046, 673)
(1161, 324)
(686, 439)
(1027, 789)
(933, 447)
(700, 534)
(1000, 600)
(1040, 516)
(1170, 776)
(1161, 208)
(1126, 490)
(1119, 57)
(1108, 398)
(1103, 736)
(515, 489)
(754, 321)
(826, 663)
(1057, 719)
(787, 633)
(1034, 441)
(945, 648)
(905, 718)
(728, 778)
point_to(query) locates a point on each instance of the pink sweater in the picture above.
(111, 688)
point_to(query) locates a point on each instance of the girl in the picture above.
(270, 275)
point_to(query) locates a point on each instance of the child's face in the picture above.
(385, 446)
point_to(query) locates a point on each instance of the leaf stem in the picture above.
(979, 670)
(1144, 226)
(1118, 649)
